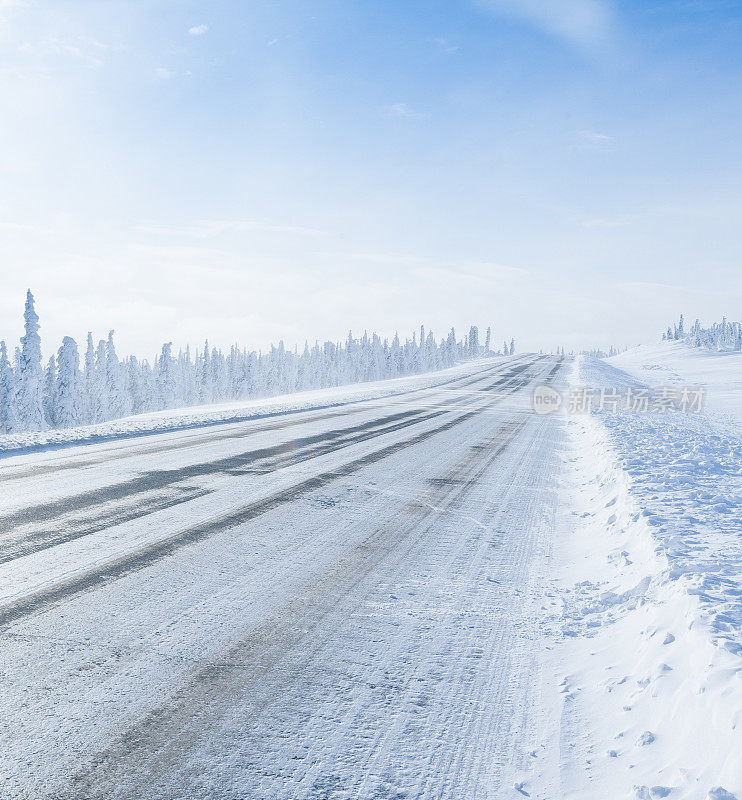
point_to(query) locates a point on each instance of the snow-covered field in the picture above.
(417, 588)
(650, 670)
(674, 363)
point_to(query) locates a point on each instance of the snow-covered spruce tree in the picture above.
(70, 408)
(487, 339)
(8, 391)
(205, 390)
(89, 379)
(30, 373)
(473, 341)
(101, 410)
(119, 400)
(304, 369)
(166, 382)
(512, 347)
(395, 357)
(109, 389)
(452, 355)
(150, 390)
(134, 385)
(50, 393)
(431, 352)
(187, 378)
(720, 336)
(219, 375)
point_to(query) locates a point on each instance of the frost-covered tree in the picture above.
(512, 347)
(8, 391)
(108, 388)
(71, 408)
(721, 336)
(89, 377)
(30, 402)
(50, 393)
(100, 399)
(205, 389)
(473, 341)
(395, 357)
(166, 383)
(119, 400)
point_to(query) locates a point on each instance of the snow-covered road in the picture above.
(329, 604)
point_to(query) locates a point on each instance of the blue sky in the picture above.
(568, 172)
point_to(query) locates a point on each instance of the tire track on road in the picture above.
(117, 503)
(210, 691)
(170, 544)
(289, 419)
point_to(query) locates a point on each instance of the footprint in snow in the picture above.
(646, 738)
(647, 793)
(720, 793)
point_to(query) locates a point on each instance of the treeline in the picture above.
(721, 336)
(598, 352)
(103, 387)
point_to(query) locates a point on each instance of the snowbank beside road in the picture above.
(216, 414)
(652, 606)
(674, 363)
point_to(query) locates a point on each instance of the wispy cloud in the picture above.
(593, 140)
(402, 111)
(594, 136)
(198, 30)
(445, 45)
(583, 23)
